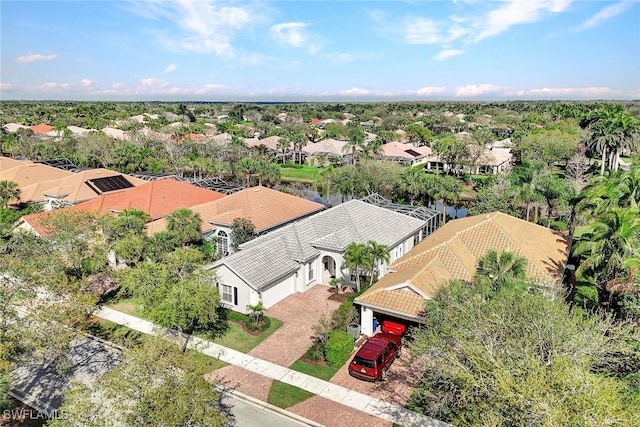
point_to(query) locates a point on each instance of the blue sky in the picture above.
(300, 50)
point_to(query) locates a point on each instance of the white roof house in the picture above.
(310, 251)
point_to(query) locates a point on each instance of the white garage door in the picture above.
(277, 293)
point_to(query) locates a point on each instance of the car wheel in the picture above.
(383, 374)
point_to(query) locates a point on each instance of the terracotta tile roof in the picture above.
(42, 128)
(31, 173)
(8, 163)
(265, 207)
(71, 188)
(157, 198)
(453, 251)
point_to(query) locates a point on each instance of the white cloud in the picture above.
(571, 91)
(87, 83)
(26, 59)
(423, 31)
(477, 90)
(515, 12)
(170, 68)
(202, 26)
(55, 86)
(605, 14)
(447, 53)
(6, 86)
(294, 34)
(431, 90)
(358, 92)
(341, 57)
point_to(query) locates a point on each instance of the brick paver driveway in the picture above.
(299, 313)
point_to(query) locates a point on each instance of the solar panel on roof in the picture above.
(412, 152)
(110, 183)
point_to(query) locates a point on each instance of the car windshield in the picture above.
(367, 363)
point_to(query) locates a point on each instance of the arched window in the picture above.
(223, 243)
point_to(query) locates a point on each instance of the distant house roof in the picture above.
(78, 187)
(266, 258)
(264, 207)
(42, 129)
(270, 142)
(116, 133)
(407, 151)
(453, 251)
(330, 146)
(13, 127)
(156, 198)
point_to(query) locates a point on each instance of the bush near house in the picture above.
(338, 348)
(250, 323)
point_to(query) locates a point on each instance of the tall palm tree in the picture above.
(284, 144)
(185, 225)
(357, 257)
(9, 190)
(611, 132)
(609, 244)
(413, 183)
(379, 254)
(357, 137)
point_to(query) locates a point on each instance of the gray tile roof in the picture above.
(267, 258)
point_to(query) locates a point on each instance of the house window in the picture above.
(229, 294)
(223, 243)
(311, 273)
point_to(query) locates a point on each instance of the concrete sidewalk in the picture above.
(362, 402)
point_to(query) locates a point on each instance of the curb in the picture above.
(269, 407)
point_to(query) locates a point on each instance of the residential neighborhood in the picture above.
(322, 266)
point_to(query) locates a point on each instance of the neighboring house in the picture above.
(405, 154)
(489, 161)
(157, 198)
(28, 173)
(310, 251)
(267, 209)
(44, 130)
(453, 253)
(77, 188)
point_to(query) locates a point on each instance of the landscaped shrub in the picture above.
(338, 348)
(262, 325)
(343, 316)
(315, 353)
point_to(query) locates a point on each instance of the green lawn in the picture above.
(306, 173)
(284, 395)
(238, 339)
(318, 371)
(128, 305)
(235, 337)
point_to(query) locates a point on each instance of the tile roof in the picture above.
(72, 188)
(453, 251)
(331, 229)
(157, 198)
(332, 146)
(265, 207)
(8, 163)
(42, 128)
(398, 149)
(32, 173)
(270, 142)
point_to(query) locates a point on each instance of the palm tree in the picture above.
(357, 257)
(609, 244)
(413, 183)
(283, 145)
(611, 132)
(185, 225)
(502, 267)
(9, 190)
(356, 140)
(379, 254)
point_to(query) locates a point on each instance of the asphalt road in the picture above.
(250, 414)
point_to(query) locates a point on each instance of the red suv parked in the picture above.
(373, 359)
